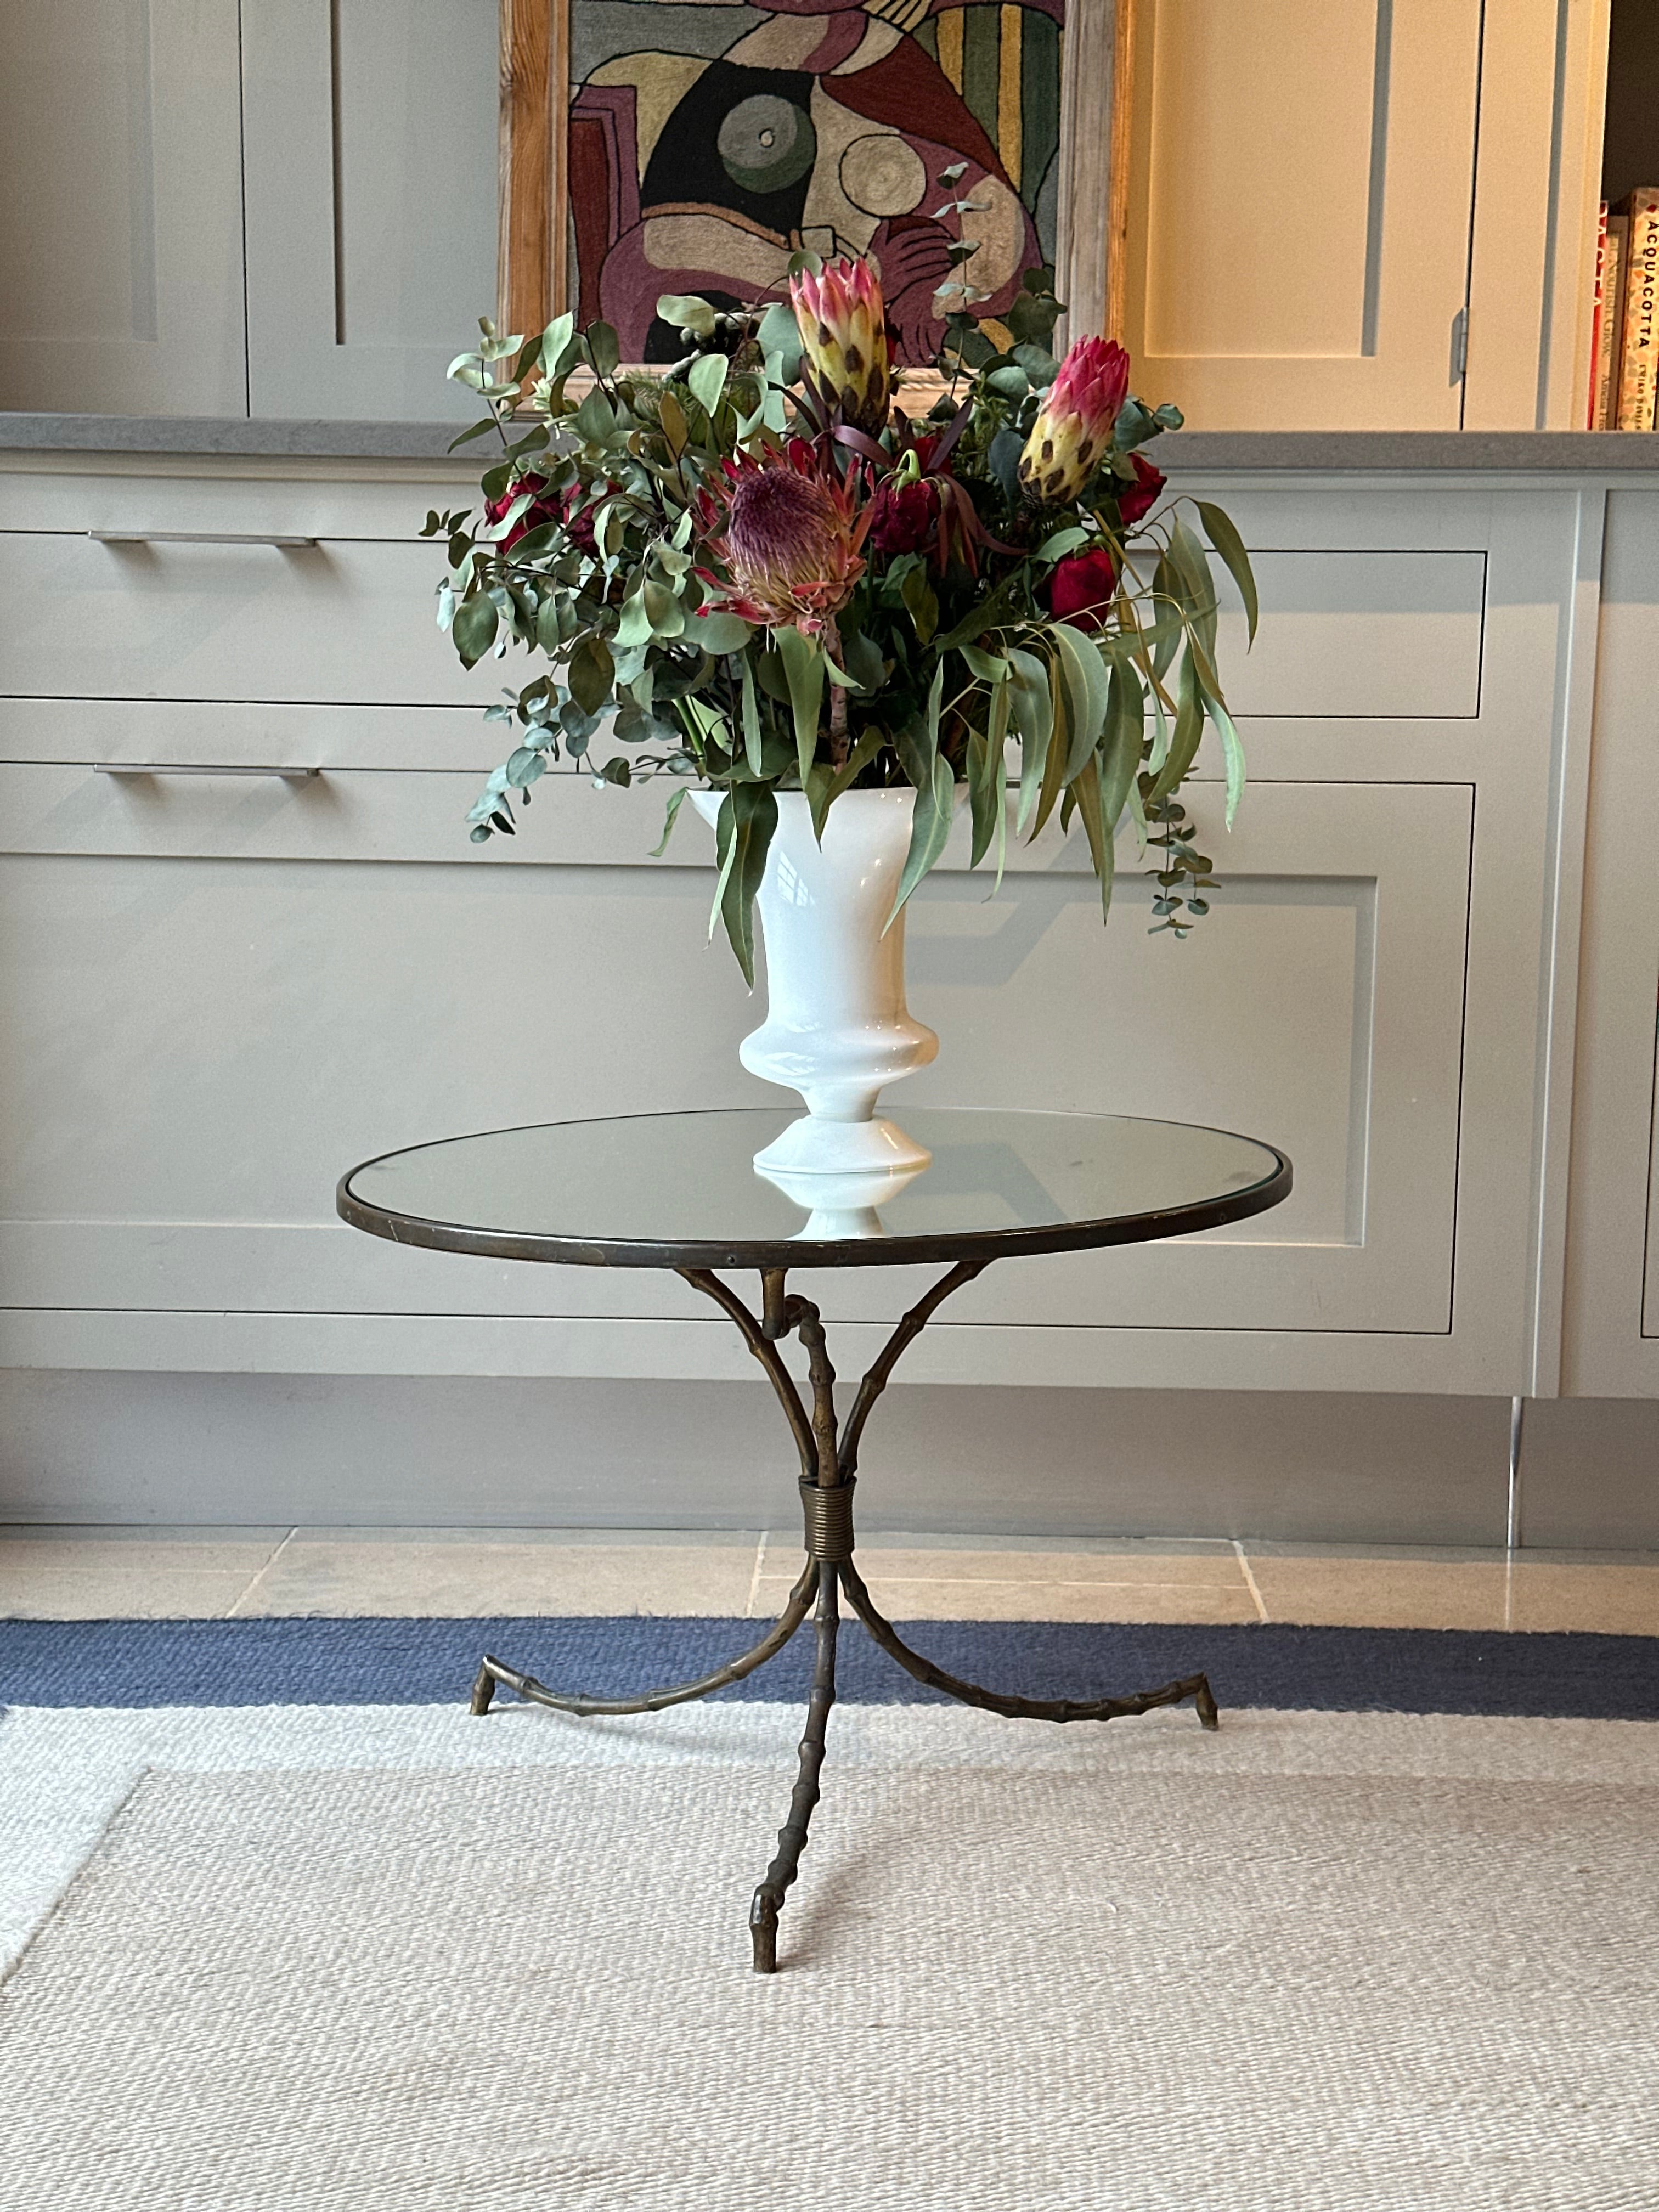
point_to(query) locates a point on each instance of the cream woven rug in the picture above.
(1052, 1987)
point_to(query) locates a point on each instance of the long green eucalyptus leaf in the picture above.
(726, 854)
(755, 816)
(803, 670)
(999, 745)
(929, 832)
(1222, 532)
(1084, 676)
(1054, 773)
(1098, 829)
(1189, 730)
(1198, 586)
(1121, 748)
(868, 744)
(1232, 748)
(1033, 717)
(751, 727)
(676, 800)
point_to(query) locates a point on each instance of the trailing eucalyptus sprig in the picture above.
(762, 573)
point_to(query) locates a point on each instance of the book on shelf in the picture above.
(1607, 319)
(1638, 353)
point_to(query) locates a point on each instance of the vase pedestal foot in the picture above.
(815, 1147)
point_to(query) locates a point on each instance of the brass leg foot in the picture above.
(763, 1930)
(494, 1672)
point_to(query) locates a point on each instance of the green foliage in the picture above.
(945, 667)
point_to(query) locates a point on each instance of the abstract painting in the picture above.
(708, 143)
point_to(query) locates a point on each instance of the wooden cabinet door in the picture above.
(371, 164)
(222, 994)
(1302, 180)
(1611, 1335)
(121, 250)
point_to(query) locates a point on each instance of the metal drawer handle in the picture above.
(197, 768)
(196, 538)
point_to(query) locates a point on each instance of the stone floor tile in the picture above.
(362, 1576)
(97, 1578)
(1344, 1592)
(1616, 1600)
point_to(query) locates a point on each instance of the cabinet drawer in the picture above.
(339, 620)
(221, 997)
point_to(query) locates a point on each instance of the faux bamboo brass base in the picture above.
(829, 1470)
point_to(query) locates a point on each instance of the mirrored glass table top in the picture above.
(682, 1190)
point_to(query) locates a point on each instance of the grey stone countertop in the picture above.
(1585, 452)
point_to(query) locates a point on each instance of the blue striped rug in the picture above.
(402, 1661)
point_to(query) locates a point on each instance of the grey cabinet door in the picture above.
(370, 136)
(225, 992)
(121, 250)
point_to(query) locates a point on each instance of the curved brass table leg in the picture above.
(1196, 1687)
(678, 1694)
(829, 1461)
(792, 1836)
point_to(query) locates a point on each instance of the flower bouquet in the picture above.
(780, 583)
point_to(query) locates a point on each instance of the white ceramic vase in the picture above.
(836, 1029)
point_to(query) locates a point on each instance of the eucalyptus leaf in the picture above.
(716, 631)
(707, 379)
(676, 800)
(930, 832)
(1189, 730)
(1084, 676)
(751, 725)
(591, 675)
(803, 668)
(1098, 828)
(686, 311)
(1032, 711)
(474, 629)
(1219, 529)
(1121, 745)
(744, 829)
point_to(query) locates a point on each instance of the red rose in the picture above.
(902, 519)
(1081, 590)
(1140, 497)
(541, 508)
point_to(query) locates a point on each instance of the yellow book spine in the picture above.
(1638, 375)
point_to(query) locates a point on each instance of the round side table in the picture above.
(681, 1191)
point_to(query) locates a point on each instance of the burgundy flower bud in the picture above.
(1135, 500)
(1081, 589)
(903, 518)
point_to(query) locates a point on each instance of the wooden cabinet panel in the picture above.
(371, 163)
(335, 971)
(344, 621)
(121, 252)
(1611, 1335)
(1393, 635)
(1300, 209)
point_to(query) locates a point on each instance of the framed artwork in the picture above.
(653, 146)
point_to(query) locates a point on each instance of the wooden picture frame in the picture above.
(1096, 64)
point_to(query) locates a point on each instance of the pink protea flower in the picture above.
(786, 538)
(843, 335)
(1074, 425)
